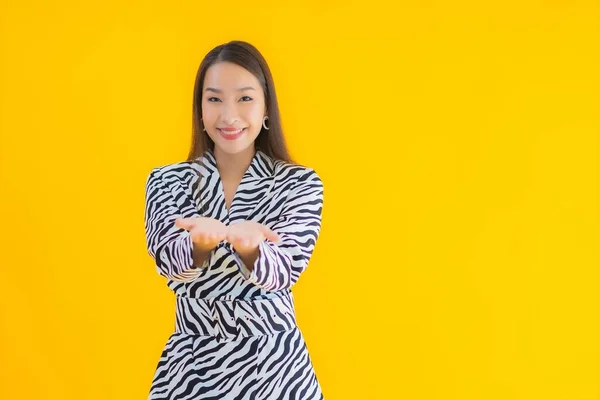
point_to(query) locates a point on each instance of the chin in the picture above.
(233, 147)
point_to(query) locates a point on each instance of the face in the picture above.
(233, 107)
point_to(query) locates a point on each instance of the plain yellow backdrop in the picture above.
(458, 145)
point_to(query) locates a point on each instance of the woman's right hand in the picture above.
(206, 232)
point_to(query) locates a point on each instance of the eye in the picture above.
(247, 97)
(210, 99)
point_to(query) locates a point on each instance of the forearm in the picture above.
(277, 265)
(270, 267)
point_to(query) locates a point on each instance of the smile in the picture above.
(230, 135)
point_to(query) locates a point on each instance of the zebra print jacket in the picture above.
(288, 198)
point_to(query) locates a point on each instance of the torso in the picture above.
(229, 189)
(267, 186)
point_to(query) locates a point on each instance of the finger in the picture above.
(239, 242)
(200, 237)
(238, 245)
(271, 235)
(181, 223)
(184, 223)
(222, 235)
(253, 241)
(217, 236)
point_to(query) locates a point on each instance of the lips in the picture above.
(230, 130)
(230, 134)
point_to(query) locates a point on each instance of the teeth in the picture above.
(232, 133)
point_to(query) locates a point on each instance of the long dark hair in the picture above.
(271, 141)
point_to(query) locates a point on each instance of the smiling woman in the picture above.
(234, 89)
(232, 228)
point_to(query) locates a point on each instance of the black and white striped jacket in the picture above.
(288, 198)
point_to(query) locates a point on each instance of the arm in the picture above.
(279, 265)
(171, 247)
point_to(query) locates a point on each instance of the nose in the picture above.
(230, 120)
(229, 114)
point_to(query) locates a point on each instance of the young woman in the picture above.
(232, 228)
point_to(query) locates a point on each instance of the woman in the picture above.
(232, 228)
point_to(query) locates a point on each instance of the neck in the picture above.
(233, 166)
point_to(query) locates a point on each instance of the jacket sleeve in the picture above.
(279, 265)
(171, 247)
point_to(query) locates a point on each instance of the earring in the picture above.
(265, 119)
(204, 129)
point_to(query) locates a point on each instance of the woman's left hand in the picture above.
(245, 236)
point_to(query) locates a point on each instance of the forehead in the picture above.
(229, 77)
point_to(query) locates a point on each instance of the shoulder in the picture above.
(294, 172)
(181, 171)
(297, 179)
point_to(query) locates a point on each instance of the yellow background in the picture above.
(458, 145)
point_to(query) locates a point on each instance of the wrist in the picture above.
(200, 255)
(249, 257)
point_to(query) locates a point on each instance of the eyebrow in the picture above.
(210, 89)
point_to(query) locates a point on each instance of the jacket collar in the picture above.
(261, 165)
